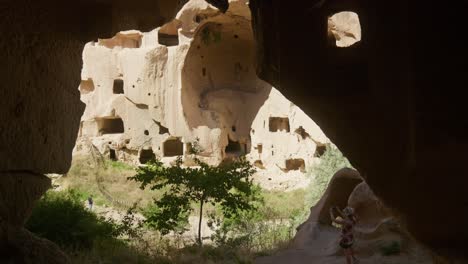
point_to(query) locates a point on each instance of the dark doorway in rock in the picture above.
(146, 155)
(259, 164)
(295, 164)
(260, 148)
(233, 148)
(86, 86)
(189, 149)
(246, 148)
(168, 40)
(173, 147)
(320, 150)
(301, 132)
(162, 129)
(110, 126)
(112, 155)
(118, 87)
(278, 124)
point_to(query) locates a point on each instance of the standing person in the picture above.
(347, 222)
(90, 202)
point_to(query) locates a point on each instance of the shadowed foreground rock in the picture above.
(317, 241)
(40, 109)
(393, 103)
(18, 193)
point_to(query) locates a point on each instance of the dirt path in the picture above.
(322, 249)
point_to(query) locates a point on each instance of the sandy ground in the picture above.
(322, 249)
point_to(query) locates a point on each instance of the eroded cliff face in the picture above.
(393, 102)
(152, 94)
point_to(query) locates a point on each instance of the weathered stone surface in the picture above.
(18, 193)
(40, 109)
(368, 208)
(192, 78)
(397, 111)
(317, 241)
(337, 193)
(394, 103)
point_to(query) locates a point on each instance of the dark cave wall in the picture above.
(393, 103)
(41, 45)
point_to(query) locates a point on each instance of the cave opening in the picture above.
(112, 155)
(260, 148)
(168, 40)
(168, 34)
(162, 129)
(86, 86)
(110, 126)
(233, 148)
(146, 155)
(295, 164)
(302, 132)
(118, 87)
(320, 150)
(173, 147)
(344, 29)
(259, 164)
(276, 124)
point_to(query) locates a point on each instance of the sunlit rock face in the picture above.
(151, 94)
(344, 29)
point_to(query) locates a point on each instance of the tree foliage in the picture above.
(228, 185)
(62, 218)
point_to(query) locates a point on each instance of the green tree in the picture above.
(331, 161)
(227, 185)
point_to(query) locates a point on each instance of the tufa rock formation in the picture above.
(393, 102)
(152, 94)
(317, 240)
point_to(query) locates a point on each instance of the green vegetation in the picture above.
(104, 179)
(238, 237)
(331, 161)
(62, 218)
(229, 186)
(389, 249)
(209, 36)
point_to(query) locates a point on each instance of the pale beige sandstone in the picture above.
(194, 77)
(344, 28)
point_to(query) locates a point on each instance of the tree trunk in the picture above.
(200, 223)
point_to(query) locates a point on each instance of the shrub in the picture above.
(228, 185)
(62, 218)
(331, 161)
(392, 248)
